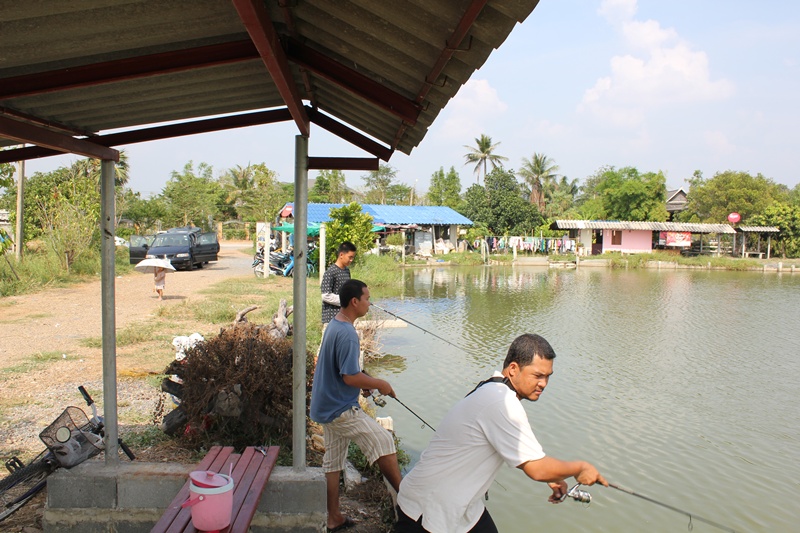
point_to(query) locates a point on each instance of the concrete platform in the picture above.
(92, 498)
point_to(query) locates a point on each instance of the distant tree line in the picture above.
(502, 201)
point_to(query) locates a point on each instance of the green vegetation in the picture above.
(42, 269)
(34, 362)
(641, 261)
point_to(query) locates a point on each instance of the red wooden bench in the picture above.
(251, 471)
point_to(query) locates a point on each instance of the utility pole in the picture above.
(20, 209)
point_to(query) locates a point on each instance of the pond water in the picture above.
(680, 385)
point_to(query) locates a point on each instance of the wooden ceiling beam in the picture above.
(28, 133)
(158, 132)
(258, 24)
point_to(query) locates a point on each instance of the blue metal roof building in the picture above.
(422, 215)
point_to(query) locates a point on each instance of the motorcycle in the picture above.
(258, 264)
(283, 264)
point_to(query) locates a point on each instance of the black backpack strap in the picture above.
(493, 379)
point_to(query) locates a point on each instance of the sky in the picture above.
(672, 86)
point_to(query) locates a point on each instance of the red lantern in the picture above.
(733, 218)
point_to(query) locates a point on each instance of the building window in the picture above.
(616, 238)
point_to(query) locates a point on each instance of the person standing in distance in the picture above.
(443, 493)
(333, 279)
(338, 381)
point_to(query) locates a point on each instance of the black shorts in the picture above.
(406, 525)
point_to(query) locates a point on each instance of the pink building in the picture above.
(628, 237)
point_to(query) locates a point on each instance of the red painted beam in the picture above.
(343, 163)
(159, 132)
(350, 135)
(28, 133)
(451, 46)
(353, 81)
(258, 24)
(127, 69)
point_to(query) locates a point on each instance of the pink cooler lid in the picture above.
(208, 480)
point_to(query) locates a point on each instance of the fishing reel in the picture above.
(378, 399)
(578, 495)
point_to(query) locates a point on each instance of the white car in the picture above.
(119, 241)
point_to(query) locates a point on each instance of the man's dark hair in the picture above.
(345, 247)
(352, 288)
(526, 347)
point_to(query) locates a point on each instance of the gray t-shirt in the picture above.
(338, 356)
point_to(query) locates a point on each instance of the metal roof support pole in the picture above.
(769, 245)
(107, 251)
(299, 282)
(323, 247)
(19, 244)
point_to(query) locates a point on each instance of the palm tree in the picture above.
(538, 172)
(482, 154)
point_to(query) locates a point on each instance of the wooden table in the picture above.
(251, 471)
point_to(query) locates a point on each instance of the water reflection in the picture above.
(681, 385)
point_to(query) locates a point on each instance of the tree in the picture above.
(561, 196)
(144, 214)
(348, 223)
(483, 153)
(193, 196)
(712, 200)
(500, 205)
(785, 217)
(624, 194)
(330, 187)
(445, 189)
(264, 197)
(539, 172)
(398, 194)
(378, 183)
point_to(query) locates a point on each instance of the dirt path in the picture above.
(56, 320)
(53, 325)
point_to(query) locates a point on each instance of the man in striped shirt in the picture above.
(333, 279)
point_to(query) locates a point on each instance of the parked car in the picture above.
(185, 248)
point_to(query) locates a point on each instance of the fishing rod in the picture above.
(675, 509)
(585, 497)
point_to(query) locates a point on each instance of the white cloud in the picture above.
(475, 105)
(660, 69)
(718, 142)
(617, 10)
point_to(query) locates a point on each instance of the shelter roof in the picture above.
(758, 229)
(395, 214)
(373, 72)
(639, 225)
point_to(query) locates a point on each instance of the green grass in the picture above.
(138, 333)
(641, 260)
(145, 437)
(42, 269)
(34, 362)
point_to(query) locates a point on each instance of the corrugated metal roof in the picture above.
(396, 214)
(635, 225)
(758, 229)
(393, 46)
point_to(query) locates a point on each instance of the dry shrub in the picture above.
(237, 388)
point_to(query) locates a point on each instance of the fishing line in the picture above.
(421, 329)
(675, 509)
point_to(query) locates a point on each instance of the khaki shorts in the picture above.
(355, 425)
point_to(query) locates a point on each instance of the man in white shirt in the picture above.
(443, 493)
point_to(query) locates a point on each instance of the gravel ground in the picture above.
(55, 321)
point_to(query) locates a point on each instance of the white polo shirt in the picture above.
(480, 433)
